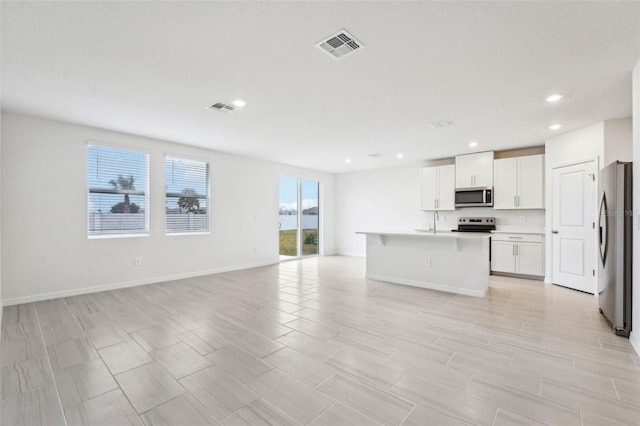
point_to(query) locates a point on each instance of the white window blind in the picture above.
(187, 196)
(118, 181)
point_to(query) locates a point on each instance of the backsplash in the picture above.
(510, 218)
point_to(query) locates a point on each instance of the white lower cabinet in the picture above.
(502, 256)
(517, 254)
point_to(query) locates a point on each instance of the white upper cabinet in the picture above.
(505, 186)
(447, 187)
(429, 187)
(438, 191)
(519, 183)
(474, 170)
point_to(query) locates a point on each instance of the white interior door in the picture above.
(573, 222)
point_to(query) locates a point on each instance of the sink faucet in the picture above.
(435, 215)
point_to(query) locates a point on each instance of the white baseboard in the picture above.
(634, 338)
(96, 289)
(352, 254)
(430, 286)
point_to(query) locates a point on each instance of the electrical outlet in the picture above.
(138, 261)
(523, 219)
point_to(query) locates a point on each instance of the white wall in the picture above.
(375, 199)
(44, 214)
(635, 320)
(389, 199)
(618, 140)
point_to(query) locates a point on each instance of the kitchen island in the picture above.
(448, 261)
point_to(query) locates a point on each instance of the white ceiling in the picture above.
(151, 68)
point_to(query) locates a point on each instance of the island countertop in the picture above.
(430, 234)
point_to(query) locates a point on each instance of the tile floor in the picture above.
(313, 342)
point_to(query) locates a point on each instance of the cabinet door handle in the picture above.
(434, 204)
(518, 200)
(515, 246)
(554, 232)
(515, 203)
(513, 250)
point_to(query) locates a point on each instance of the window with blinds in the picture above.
(187, 196)
(118, 185)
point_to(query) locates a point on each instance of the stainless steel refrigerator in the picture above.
(615, 239)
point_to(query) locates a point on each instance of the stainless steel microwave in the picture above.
(474, 197)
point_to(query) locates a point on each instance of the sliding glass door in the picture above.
(299, 217)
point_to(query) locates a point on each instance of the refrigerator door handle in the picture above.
(603, 228)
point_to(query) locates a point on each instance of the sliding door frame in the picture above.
(299, 220)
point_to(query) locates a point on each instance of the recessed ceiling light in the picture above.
(473, 144)
(348, 160)
(239, 103)
(399, 155)
(555, 126)
(553, 98)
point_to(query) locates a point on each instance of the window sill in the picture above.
(180, 234)
(109, 236)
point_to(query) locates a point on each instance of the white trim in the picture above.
(96, 289)
(634, 339)
(548, 229)
(362, 255)
(576, 162)
(203, 159)
(182, 234)
(106, 236)
(429, 285)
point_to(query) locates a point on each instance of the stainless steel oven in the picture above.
(474, 197)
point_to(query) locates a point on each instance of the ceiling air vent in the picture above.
(339, 45)
(441, 124)
(219, 106)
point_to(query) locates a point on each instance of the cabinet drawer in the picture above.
(529, 238)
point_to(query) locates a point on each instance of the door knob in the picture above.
(554, 232)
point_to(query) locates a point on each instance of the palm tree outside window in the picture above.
(117, 181)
